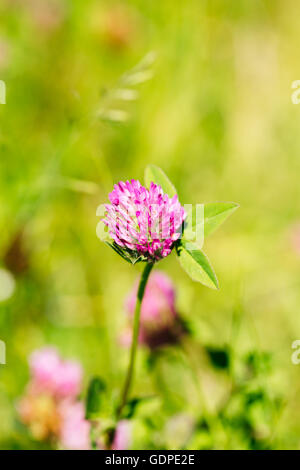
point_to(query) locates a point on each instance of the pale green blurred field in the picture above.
(217, 116)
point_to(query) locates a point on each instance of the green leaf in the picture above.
(196, 264)
(118, 250)
(131, 406)
(220, 358)
(206, 222)
(129, 256)
(216, 213)
(153, 174)
(94, 398)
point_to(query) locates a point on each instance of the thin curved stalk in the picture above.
(136, 327)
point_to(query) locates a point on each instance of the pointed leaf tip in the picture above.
(216, 213)
(197, 265)
(154, 174)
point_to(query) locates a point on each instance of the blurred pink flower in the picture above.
(75, 429)
(160, 323)
(122, 436)
(48, 15)
(117, 25)
(51, 373)
(120, 440)
(54, 383)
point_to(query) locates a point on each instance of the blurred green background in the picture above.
(210, 103)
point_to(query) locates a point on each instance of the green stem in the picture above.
(136, 327)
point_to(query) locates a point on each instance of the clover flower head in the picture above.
(143, 223)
